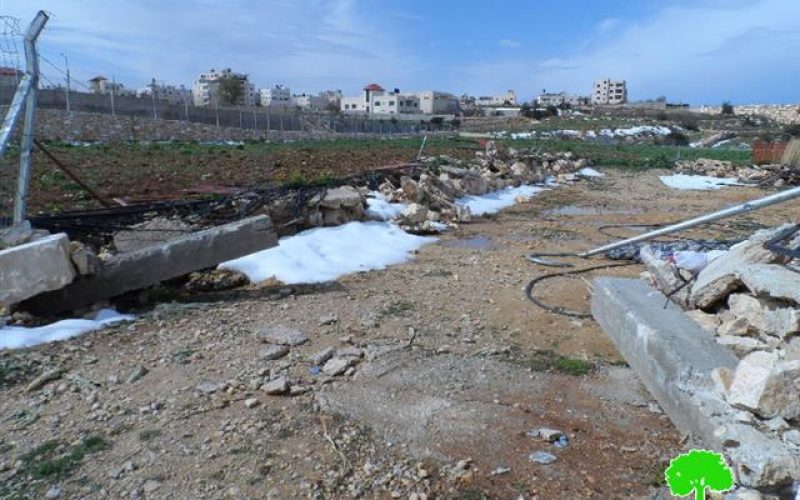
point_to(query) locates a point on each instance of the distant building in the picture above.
(332, 96)
(549, 99)
(609, 91)
(164, 92)
(206, 88)
(377, 101)
(509, 98)
(278, 96)
(10, 77)
(101, 85)
(310, 102)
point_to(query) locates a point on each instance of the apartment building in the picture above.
(278, 96)
(310, 102)
(205, 91)
(611, 92)
(508, 98)
(376, 100)
(432, 102)
(102, 85)
(164, 92)
(550, 99)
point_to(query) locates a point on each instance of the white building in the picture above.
(508, 98)
(549, 99)
(278, 96)
(376, 100)
(206, 89)
(102, 85)
(310, 102)
(609, 91)
(164, 92)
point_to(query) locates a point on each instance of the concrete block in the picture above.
(150, 266)
(675, 357)
(30, 269)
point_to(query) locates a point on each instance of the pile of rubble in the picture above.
(749, 298)
(432, 197)
(776, 175)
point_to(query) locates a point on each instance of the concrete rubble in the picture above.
(748, 300)
(775, 175)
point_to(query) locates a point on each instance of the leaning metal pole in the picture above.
(759, 203)
(26, 143)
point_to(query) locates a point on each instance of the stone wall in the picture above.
(782, 113)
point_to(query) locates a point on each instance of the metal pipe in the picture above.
(26, 143)
(749, 206)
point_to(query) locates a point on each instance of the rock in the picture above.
(742, 265)
(734, 326)
(351, 352)
(723, 378)
(216, 279)
(207, 388)
(500, 470)
(520, 169)
(137, 373)
(709, 322)
(463, 213)
(665, 275)
(151, 485)
(322, 356)
(542, 457)
(549, 435)
(341, 197)
(53, 492)
(336, 366)
(43, 379)
(741, 345)
(275, 351)
(410, 190)
(276, 387)
(767, 316)
(792, 437)
(84, 260)
(282, 335)
(415, 213)
(765, 385)
(251, 403)
(328, 319)
(776, 424)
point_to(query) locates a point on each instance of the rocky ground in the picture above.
(428, 379)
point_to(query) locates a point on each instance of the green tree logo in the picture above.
(697, 470)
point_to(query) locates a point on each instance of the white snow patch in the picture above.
(15, 337)
(379, 208)
(590, 172)
(497, 200)
(697, 182)
(636, 131)
(324, 254)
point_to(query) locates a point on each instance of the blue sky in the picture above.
(697, 51)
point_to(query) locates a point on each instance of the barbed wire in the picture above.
(10, 31)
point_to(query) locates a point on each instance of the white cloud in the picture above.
(744, 50)
(308, 44)
(508, 43)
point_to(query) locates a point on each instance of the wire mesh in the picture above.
(11, 44)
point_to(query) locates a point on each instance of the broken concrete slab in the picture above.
(152, 265)
(282, 335)
(675, 358)
(665, 275)
(743, 262)
(33, 268)
(765, 315)
(149, 233)
(764, 384)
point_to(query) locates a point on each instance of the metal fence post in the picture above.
(26, 144)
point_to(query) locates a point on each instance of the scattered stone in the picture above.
(251, 403)
(53, 492)
(776, 424)
(328, 319)
(767, 316)
(322, 356)
(765, 385)
(215, 280)
(207, 388)
(722, 377)
(44, 379)
(151, 485)
(137, 373)
(336, 366)
(275, 351)
(542, 457)
(350, 352)
(282, 335)
(741, 345)
(276, 387)
(500, 470)
(792, 437)
(549, 435)
(709, 322)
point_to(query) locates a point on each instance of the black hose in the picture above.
(563, 310)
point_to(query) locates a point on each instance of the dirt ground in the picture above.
(457, 367)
